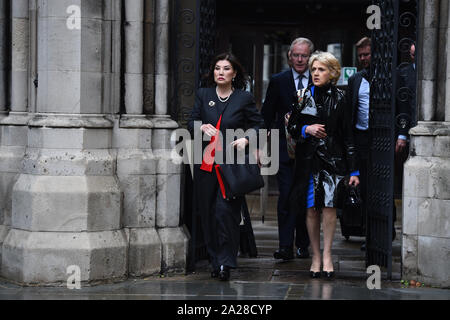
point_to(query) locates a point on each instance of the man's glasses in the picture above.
(296, 56)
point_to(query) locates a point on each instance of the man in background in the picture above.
(405, 113)
(358, 97)
(281, 94)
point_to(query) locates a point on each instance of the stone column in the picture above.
(3, 84)
(3, 49)
(161, 56)
(154, 243)
(13, 129)
(136, 165)
(443, 92)
(66, 203)
(149, 54)
(174, 237)
(134, 48)
(427, 62)
(426, 195)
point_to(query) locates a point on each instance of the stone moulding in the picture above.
(91, 121)
(431, 129)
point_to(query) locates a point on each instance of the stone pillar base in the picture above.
(13, 139)
(3, 233)
(426, 203)
(43, 257)
(174, 249)
(144, 253)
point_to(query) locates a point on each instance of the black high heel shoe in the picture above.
(224, 273)
(314, 275)
(328, 274)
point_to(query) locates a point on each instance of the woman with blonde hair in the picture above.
(325, 155)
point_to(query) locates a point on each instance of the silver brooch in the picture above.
(212, 103)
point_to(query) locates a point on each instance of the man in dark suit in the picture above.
(280, 96)
(404, 114)
(358, 97)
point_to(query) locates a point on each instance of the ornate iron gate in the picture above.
(384, 94)
(192, 48)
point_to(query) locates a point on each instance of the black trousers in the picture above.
(289, 222)
(220, 219)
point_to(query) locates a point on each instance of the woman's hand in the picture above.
(354, 180)
(316, 130)
(258, 154)
(208, 129)
(240, 143)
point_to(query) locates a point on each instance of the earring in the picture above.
(232, 80)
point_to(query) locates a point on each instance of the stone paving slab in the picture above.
(256, 278)
(189, 288)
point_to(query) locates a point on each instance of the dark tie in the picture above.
(300, 83)
(365, 74)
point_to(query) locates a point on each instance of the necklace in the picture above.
(223, 99)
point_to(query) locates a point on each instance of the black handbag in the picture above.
(349, 196)
(353, 199)
(351, 217)
(239, 179)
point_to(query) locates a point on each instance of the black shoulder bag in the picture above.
(237, 180)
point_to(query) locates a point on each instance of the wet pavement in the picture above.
(257, 278)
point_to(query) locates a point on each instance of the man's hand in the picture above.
(208, 129)
(316, 130)
(400, 145)
(354, 180)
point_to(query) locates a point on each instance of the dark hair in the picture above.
(241, 79)
(364, 42)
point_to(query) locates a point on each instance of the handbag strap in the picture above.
(208, 158)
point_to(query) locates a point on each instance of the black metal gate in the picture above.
(192, 49)
(389, 44)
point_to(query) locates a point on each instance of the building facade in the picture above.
(87, 173)
(426, 192)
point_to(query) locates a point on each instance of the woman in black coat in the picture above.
(224, 100)
(325, 154)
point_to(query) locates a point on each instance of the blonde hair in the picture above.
(330, 61)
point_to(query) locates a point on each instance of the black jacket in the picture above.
(336, 153)
(352, 92)
(241, 112)
(279, 98)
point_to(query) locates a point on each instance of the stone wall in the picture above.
(426, 192)
(81, 184)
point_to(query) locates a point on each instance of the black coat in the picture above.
(241, 112)
(352, 94)
(220, 218)
(279, 98)
(334, 156)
